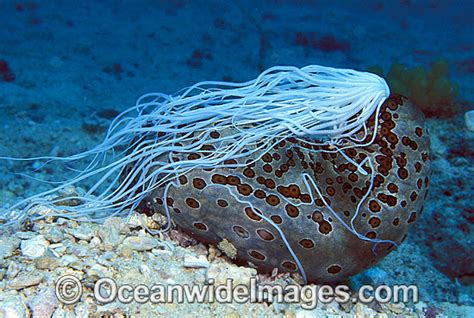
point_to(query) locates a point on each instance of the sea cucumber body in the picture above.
(216, 204)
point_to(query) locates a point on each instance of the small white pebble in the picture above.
(35, 247)
(469, 118)
(26, 280)
(139, 243)
(12, 305)
(191, 261)
(95, 242)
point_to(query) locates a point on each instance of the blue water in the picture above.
(68, 67)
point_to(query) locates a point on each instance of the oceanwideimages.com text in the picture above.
(106, 290)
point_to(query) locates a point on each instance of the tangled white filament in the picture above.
(322, 104)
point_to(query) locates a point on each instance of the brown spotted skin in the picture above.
(202, 204)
